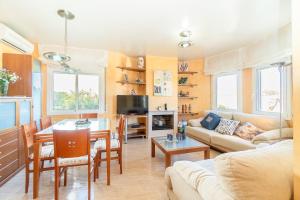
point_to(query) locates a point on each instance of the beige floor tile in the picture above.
(142, 178)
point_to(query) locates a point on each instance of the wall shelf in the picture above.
(191, 113)
(135, 69)
(142, 127)
(188, 72)
(188, 98)
(130, 82)
(188, 85)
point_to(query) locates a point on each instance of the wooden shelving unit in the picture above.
(185, 100)
(134, 69)
(140, 131)
(130, 82)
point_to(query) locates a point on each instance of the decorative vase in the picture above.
(3, 87)
(140, 62)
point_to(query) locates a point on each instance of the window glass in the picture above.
(88, 92)
(269, 90)
(64, 91)
(227, 92)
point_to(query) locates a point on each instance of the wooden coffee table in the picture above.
(188, 145)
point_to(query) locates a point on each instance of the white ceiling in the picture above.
(139, 27)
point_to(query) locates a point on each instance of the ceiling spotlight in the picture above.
(57, 57)
(185, 33)
(185, 39)
(185, 44)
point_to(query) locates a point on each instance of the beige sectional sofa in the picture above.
(262, 173)
(228, 143)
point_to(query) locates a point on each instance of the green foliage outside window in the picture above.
(67, 100)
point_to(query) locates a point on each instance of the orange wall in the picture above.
(296, 94)
(161, 63)
(247, 90)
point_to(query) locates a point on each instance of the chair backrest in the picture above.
(69, 144)
(121, 128)
(88, 115)
(28, 131)
(45, 122)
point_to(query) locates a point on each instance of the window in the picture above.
(226, 95)
(88, 92)
(268, 90)
(64, 91)
(76, 93)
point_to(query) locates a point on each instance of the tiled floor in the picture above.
(142, 178)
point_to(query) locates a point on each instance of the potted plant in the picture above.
(6, 77)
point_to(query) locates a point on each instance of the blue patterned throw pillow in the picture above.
(227, 126)
(211, 121)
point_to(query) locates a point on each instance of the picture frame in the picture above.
(162, 83)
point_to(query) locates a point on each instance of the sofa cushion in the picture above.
(223, 114)
(273, 136)
(211, 121)
(263, 173)
(200, 133)
(261, 121)
(227, 126)
(195, 122)
(231, 142)
(247, 131)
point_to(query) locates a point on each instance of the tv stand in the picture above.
(140, 128)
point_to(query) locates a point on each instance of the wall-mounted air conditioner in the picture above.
(15, 40)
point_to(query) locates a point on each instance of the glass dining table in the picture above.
(99, 128)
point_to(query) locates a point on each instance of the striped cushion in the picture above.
(101, 144)
(46, 152)
(77, 160)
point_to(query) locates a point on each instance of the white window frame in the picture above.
(239, 90)
(50, 97)
(286, 87)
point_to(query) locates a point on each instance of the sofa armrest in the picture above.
(200, 179)
(273, 136)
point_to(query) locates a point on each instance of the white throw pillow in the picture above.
(227, 126)
(264, 173)
(195, 122)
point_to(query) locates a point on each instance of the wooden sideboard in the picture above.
(14, 111)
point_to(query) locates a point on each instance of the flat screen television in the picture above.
(132, 104)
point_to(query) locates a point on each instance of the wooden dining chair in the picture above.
(88, 115)
(71, 149)
(46, 122)
(47, 152)
(116, 146)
